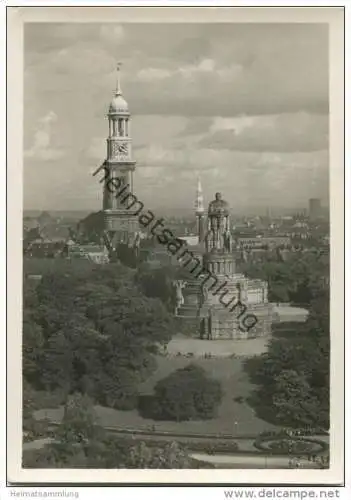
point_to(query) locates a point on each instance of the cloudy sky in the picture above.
(243, 106)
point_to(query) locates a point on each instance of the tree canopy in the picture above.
(91, 329)
(297, 280)
(293, 375)
(188, 394)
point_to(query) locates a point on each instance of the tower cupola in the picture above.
(118, 105)
(119, 138)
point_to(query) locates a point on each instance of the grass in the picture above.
(216, 348)
(234, 417)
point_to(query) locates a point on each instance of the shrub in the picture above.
(187, 394)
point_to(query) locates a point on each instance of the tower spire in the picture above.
(118, 86)
(199, 203)
(200, 211)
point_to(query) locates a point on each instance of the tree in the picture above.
(58, 363)
(91, 228)
(79, 423)
(118, 388)
(158, 282)
(297, 280)
(110, 453)
(170, 456)
(91, 329)
(186, 394)
(32, 347)
(293, 375)
(293, 399)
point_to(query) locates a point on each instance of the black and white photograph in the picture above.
(180, 273)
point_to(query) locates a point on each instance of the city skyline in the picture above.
(225, 103)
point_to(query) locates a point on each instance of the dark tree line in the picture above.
(91, 330)
(159, 282)
(293, 375)
(298, 280)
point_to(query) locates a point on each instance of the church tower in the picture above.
(120, 224)
(200, 212)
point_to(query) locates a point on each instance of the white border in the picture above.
(15, 18)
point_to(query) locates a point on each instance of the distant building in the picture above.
(98, 254)
(44, 241)
(315, 208)
(30, 224)
(42, 247)
(190, 240)
(263, 241)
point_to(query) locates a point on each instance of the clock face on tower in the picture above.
(123, 148)
(119, 149)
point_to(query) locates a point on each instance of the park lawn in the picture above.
(233, 417)
(217, 348)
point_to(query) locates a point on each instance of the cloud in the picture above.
(244, 178)
(112, 33)
(151, 74)
(97, 149)
(286, 132)
(82, 60)
(189, 71)
(196, 126)
(246, 106)
(204, 66)
(41, 148)
(241, 69)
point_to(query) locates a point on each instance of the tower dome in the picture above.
(118, 104)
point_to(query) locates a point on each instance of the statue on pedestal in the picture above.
(179, 285)
(204, 295)
(218, 236)
(137, 241)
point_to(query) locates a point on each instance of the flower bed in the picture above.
(290, 445)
